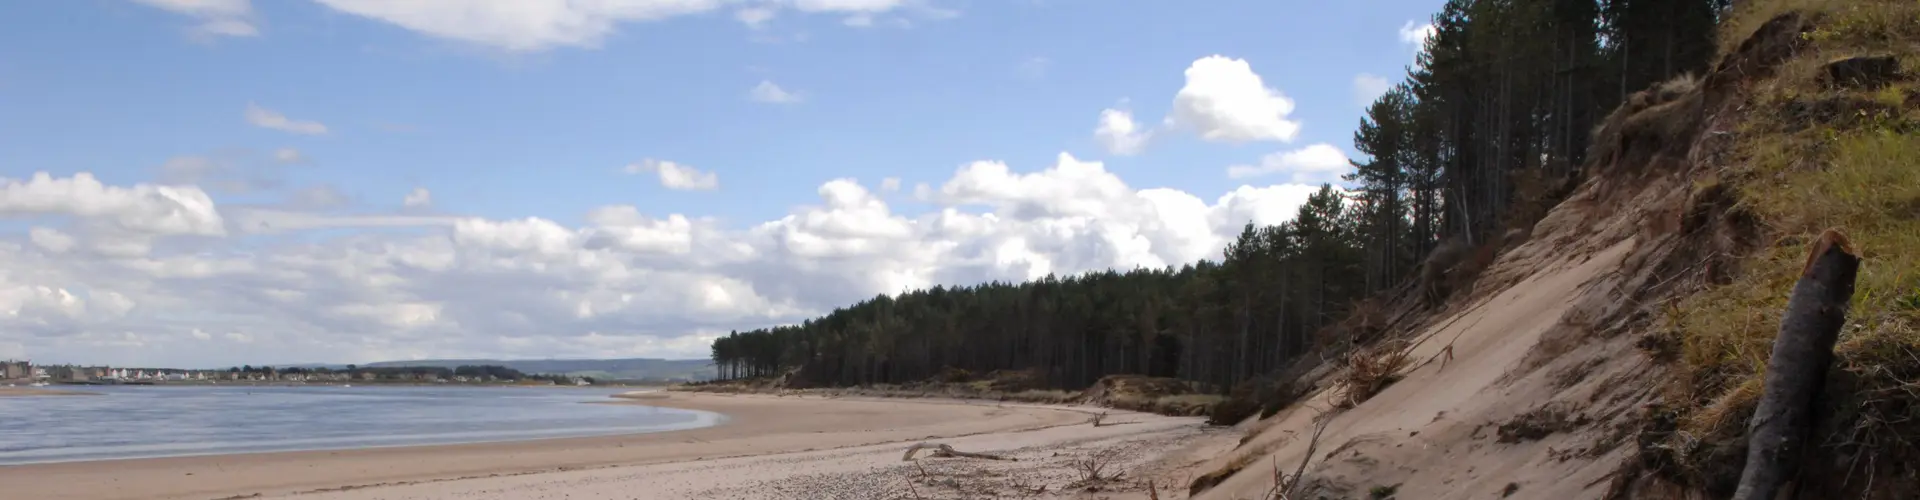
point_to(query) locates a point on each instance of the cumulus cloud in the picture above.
(51, 240)
(1225, 101)
(768, 92)
(270, 119)
(142, 208)
(217, 17)
(1368, 87)
(1416, 34)
(538, 25)
(419, 197)
(622, 282)
(676, 176)
(1119, 133)
(1313, 164)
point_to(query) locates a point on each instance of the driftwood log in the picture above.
(942, 450)
(1778, 433)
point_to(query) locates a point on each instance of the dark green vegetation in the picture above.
(1484, 135)
(601, 369)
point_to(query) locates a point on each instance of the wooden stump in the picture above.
(1777, 435)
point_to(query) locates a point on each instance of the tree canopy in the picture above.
(1494, 114)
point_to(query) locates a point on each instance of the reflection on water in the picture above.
(139, 422)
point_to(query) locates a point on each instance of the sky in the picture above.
(206, 183)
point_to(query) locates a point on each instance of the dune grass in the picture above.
(1809, 158)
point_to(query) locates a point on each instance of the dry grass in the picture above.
(1811, 158)
(1370, 371)
(1094, 467)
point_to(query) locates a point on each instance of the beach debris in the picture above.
(1093, 467)
(943, 450)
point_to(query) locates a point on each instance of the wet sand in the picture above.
(11, 392)
(756, 426)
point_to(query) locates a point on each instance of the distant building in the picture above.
(11, 369)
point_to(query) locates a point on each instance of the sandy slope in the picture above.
(1437, 434)
(805, 440)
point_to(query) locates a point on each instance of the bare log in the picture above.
(942, 450)
(1797, 370)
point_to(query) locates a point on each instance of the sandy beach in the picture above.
(769, 447)
(8, 392)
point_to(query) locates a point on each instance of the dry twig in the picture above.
(942, 450)
(1093, 467)
(1285, 487)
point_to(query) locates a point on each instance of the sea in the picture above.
(167, 421)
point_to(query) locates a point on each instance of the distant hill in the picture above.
(613, 369)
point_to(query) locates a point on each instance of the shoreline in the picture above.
(23, 392)
(751, 426)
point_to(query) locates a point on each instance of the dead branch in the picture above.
(911, 489)
(943, 450)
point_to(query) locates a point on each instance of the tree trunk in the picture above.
(1798, 368)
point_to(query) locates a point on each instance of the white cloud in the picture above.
(1313, 164)
(1416, 34)
(676, 176)
(1368, 87)
(769, 92)
(890, 184)
(846, 5)
(267, 118)
(538, 25)
(216, 17)
(420, 197)
(142, 208)
(1119, 133)
(1225, 101)
(289, 155)
(52, 240)
(623, 282)
(755, 17)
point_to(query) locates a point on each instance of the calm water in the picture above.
(140, 422)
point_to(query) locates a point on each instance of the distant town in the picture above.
(20, 371)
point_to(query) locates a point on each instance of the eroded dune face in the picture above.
(1531, 384)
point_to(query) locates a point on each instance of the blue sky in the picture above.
(343, 108)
